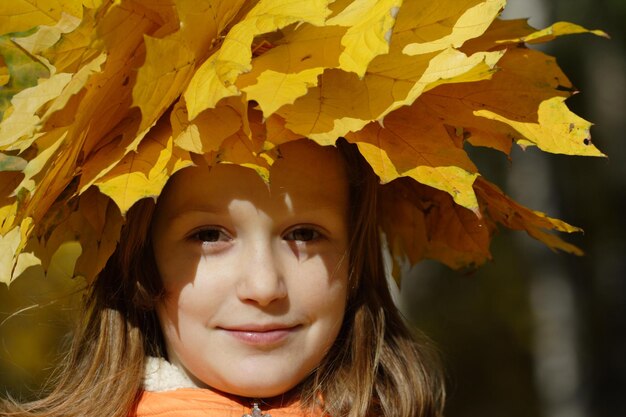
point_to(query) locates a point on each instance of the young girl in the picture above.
(239, 294)
(231, 297)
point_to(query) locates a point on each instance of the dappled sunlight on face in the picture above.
(255, 274)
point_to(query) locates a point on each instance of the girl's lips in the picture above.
(261, 336)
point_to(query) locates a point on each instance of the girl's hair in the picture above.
(375, 367)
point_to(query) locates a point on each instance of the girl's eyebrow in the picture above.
(327, 212)
(193, 209)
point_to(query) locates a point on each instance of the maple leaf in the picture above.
(215, 79)
(424, 152)
(13, 260)
(505, 211)
(208, 130)
(525, 79)
(553, 31)
(343, 102)
(557, 130)
(22, 15)
(170, 61)
(453, 27)
(102, 102)
(143, 173)
(370, 24)
(91, 224)
(446, 231)
(288, 70)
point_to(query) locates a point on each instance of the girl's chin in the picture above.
(255, 389)
(260, 375)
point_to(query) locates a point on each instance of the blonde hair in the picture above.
(377, 366)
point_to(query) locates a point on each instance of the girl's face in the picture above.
(255, 275)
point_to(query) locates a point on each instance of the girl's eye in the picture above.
(209, 235)
(303, 234)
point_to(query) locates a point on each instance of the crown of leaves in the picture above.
(104, 100)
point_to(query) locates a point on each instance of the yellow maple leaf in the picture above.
(75, 86)
(9, 180)
(216, 77)
(18, 130)
(143, 173)
(209, 129)
(75, 48)
(63, 261)
(44, 157)
(13, 261)
(524, 80)
(168, 67)
(47, 36)
(414, 144)
(276, 132)
(202, 21)
(170, 61)
(507, 212)
(392, 80)
(558, 130)
(92, 224)
(553, 31)
(124, 91)
(288, 70)
(343, 102)
(470, 24)
(240, 149)
(22, 15)
(370, 25)
(52, 181)
(102, 220)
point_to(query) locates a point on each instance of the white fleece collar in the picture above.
(160, 375)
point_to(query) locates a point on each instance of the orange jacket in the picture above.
(197, 402)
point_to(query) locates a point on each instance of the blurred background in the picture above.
(533, 333)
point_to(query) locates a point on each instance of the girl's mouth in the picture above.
(261, 335)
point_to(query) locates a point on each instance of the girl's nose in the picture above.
(261, 279)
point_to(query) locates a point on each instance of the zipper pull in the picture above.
(256, 411)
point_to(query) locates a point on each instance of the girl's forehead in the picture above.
(306, 176)
(306, 163)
